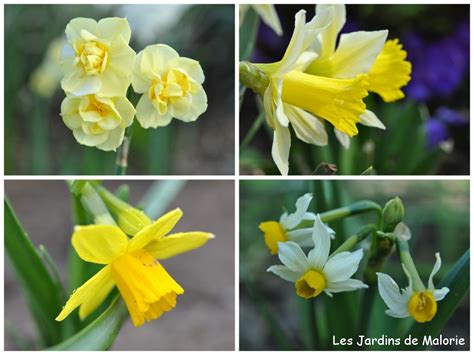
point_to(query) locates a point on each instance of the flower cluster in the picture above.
(99, 65)
(317, 81)
(318, 271)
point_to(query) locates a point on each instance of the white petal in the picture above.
(343, 138)
(295, 47)
(281, 147)
(390, 293)
(402, 231)
(293, 219)
(368, 118)
(322, 243)
(401, 314)
(440, 294)
(303, 237)
(436, 268)
(269, 16)
(304, 60)
(269, 106)
(307, 127)
(284, 272)
(320, 22)
(291, 255)
(356, 53)
(410, 280)
(344, 286)
(279, 111)
(329, 35)
(342, 266)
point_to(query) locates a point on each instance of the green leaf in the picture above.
(159, 196)
(101, 333)
(457, 280)
(76, 186)
(248, 34)
(41, 292)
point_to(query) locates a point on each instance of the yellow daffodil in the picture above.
(290, 92)
(383, 64)
(318, 271)
(46, 78)
(286, 229)
(132, 265)
(416, 300)
(97, 58)
(266, 12)
(97, 121)
(171, 86)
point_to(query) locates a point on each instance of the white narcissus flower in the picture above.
(318, 272)
(97, 121)
(416, 301)
(360, 53)
(266, 12)
(286, 229)
(97, 58)
(171, 86)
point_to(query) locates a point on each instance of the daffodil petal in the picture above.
(290, 221)
(345, 286)
(114, 140)
(343, 138)
(390, 293)
(291, 255)
(281, 148)
(328, 37)
(99, 244)
(284, 272)
(79, 24)
(370, 119)
(318, 256)
(436, 268)
(149, 117)
(356, 53)
(112, 27)
(308, 127)
(191, 67)
(158, 229)
(342, 266)
(89, 295)
(440, 294)
(303, 237)
(269, 16)
(174, 244)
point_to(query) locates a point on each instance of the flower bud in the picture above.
(130, 219)
(392, 214)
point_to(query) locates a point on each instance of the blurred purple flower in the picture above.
(437, 126)
(438, 67)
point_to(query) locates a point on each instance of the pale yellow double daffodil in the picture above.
(132, 265)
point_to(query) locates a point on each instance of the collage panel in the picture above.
(357, 89)
(119, 265)
(105, 89)
(354, 265)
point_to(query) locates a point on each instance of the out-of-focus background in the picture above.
(437, 212)
(427, 132)
(204, 316)
(38, 142)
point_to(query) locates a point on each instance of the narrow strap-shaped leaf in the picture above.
(101, 333)
(457, 280)
(159, 196)
(41, 292)
(248, 34)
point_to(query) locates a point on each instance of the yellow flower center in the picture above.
(339, 101)
(147, 289)
(422, 306)
(171, 86)
(273, 233)
(390, 72)
(311, 284)
(93, 57)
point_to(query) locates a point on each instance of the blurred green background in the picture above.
(437, 212)
(426, 133)
(38, 142)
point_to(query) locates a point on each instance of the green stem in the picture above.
(407, 261)
(352, 210)
(355, 239)
(121, 162)
(252, 131)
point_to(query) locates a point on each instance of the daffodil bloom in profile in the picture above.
(286, 229)
(132, 265)
(416, 300)
(294, 97)
(97, 58)
(97, 121)
(318, 271)
(369, 53)
(171, 86)
(266, 12)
